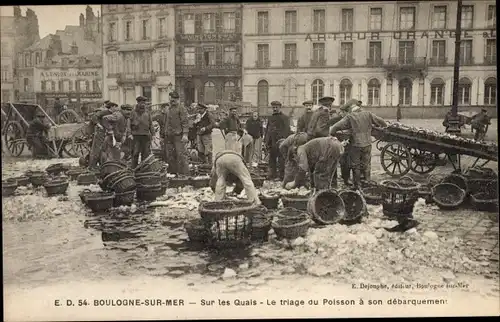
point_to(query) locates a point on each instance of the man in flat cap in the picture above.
(204, 124)
(97, 154)
(320, 120)
(255, 128)
(305, 118)
(231, 126)
(116, 126)
(176, 128)
(36, 135)
(278, 127)
(480, 123)
(141, 126)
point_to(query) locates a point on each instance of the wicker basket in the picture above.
(74, 173)
(55, 169)
(291, 213)
(214, 210)
(326, 207)
(372, 195)
(197, 231)
(448, 196)
(123, 183)
(149, 192)
(258, 181)
(481, 173)
(295, 201)
(150, 164)
(434, 179)
(110, 167)
(22, 181)
(111, 178)
(261, 224)
(99, 201)
(398, 201)
(124, 198)
(56, 187)
(270, 201)
(481, 185)
(148, 178)
(457, 180)
(355, 205)
(179, 182)
(8, 188)
(290, 228)
(200, 182)
(11, 181)
(86, 179)
(485, 201)
(37, 180)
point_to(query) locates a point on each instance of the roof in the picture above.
(73, 60)
(68, 36)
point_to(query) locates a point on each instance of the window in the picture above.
(290, 21)
(317, 89)
(407, 18)
(44, 86)
(26, 83)
(467, 17)
(27, 60)
(319, 52)
(163, 61)
(262, 54)
(375, 53)
(439, 17)
(345, 91)
(38, 58)
(262, 93)
(346, 52)
(162, 27)
(229, 55)
(347, 19)
(374, 92)
(290, 53)
(208, 22)
(464, 88)
(376, 19)
(262, 22)
(438, 52)
(229, 21)
(209, 93)
(128, 30)
(490, 91)
(65, 85)
(491, 51)
(466, 52)
(5, 73)
(229, 87)
(405, 88)
(189, 56)
(129, 63)
(145, 29)
(437, 91)
(112, 32)
(290, 92)
(188, 24)
(492, 16)
(70, 85)
(406, 52)
(146, 63)
(319, 20)
(112, 63)
(209, 56)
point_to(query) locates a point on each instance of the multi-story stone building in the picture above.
(16, 33)
(383, 53)
(208, 51)
(138, 52)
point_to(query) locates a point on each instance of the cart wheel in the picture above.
(156, 139)
(395, 159)
(68, 116)
(379, 145)
(79, 146)
(14, 138)
(423, 162)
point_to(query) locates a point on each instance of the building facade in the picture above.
(139, 57)
(383, 53)
(208, 51)
(16, 33)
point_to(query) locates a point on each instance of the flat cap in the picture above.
(326, 100)
(126, 107)
(106, 101)
(174, 94)
(141, 99)
(111, 104)
(233, 108)
(199, 105)
(483, 110)
(275, 103)
(308, 103)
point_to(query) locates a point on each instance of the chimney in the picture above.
(82, 20)
(74, 48)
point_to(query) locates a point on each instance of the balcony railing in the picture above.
(262, 64)
(406, 62)
(346, 62)
(490, 60)
(216, 69)
(318, 62)
(438, 61)
(213, 36)
(130, 78)
(374, 62)
(290, 63)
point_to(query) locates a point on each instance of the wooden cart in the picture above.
(421, 152)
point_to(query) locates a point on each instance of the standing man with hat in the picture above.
(204, 123)
(141, 126)
(116, 125)
(230, 126)
(320, 120)
(36, 135)
(480, 123)
(255, 128)
(99, 135)
(304, 119)
(278, 127)
(176, 128)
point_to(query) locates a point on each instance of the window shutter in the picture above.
(199, 56)
(218, 54)
(178, 24)
(198, 23)
(218, 22)
(238, 21)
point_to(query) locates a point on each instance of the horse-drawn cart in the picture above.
(421, 150)
(70, 138)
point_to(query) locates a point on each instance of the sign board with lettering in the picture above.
(57, 74)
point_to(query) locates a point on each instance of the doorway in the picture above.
(189, 94)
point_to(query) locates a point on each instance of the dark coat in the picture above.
(141, 123)
(207, 122)
(278, 127)
(255, 128)
(303, 121)
(176, 121)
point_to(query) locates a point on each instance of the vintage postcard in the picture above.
(249, 160)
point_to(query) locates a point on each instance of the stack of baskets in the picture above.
(326, 207)
(149, 179)
(118, 178)
(398, 198)
(291, 223)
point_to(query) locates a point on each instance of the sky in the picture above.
(53, 18)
